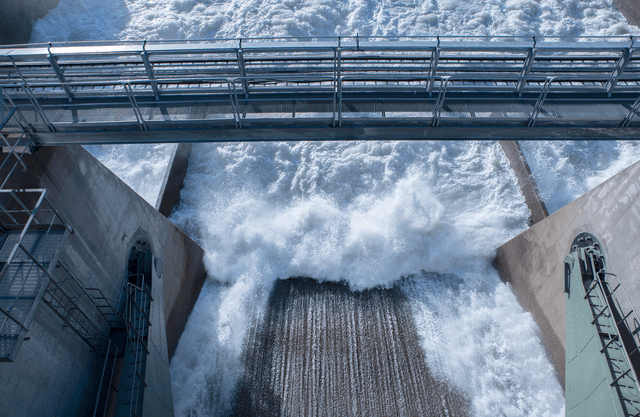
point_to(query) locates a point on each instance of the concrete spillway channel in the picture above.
(317, 348)
(321, 349)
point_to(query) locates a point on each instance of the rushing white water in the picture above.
(141, 167)
(179, 19)
(565, 170)
(366, 213)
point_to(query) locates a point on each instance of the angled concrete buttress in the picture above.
(532, 262)
(55, 371)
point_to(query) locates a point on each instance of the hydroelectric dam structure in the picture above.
(96, 285)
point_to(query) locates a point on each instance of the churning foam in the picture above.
(199, 19)
(141, 167)
(366, 213)
(565, 170)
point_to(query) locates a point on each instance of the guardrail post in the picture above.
(36, 105)
(237, 105)
(541, 98)
(243, 72)
(56, 68)
(340, 102)
(134, 105)
(149, 68)
(440, 102)
(234, 104)
(435, 56)
(621, 65)
(632, 112)
(337, 65)
(526, 68)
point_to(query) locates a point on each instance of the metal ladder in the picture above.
(611, 321)
(79, 310)
(137, 324)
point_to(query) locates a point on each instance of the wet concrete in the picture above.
(630, 9)
(527, 184)
(169, 196)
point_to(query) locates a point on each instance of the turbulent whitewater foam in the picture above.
(141, 167)
(197, 19)
(475, 333)
(368, 214)
(565, 170)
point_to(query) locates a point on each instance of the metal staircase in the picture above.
(89, 317)
(17, 141)
(31, 231)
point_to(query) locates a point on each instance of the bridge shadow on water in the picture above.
(322, 349)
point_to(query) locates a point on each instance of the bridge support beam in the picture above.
(338, 133)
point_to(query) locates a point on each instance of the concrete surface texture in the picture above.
(532, 262)
(630, 9)
(158, 396)
(527, 184)
(54, 369)
(169, 196)
(17, 17)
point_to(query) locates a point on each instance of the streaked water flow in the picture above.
(321, 349)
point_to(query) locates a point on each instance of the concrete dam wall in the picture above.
(107, 218)
(532, 262)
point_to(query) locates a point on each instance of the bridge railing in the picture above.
(352, 82)
(192, 102)
(429, 56)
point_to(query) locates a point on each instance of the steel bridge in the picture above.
(319, 89)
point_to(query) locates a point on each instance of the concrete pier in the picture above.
(169, 196)
(55, 366)
(532, 262)
(527, 184)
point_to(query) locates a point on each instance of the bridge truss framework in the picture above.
(319, 89)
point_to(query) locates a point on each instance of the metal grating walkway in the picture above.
(269, 89)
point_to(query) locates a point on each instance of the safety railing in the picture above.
(626, 319)
(147, 60)
(31, 232)
(323, 82)
(16, 143)
(219, 101)
(85, 310)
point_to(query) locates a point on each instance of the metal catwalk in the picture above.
(325, 88)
